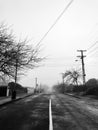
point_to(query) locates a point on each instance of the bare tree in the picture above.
(24, 56)
(16, 56)
(72, 76)
(6, 45)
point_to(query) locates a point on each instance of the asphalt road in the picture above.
(32, 113)
(70, 113)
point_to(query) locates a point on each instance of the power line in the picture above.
(92, 45)
(55, 21)
(92, 52)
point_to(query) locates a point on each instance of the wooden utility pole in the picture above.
(36, 82)
(62, 78)
(83, 67)
(16, 69)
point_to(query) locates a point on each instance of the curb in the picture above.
(11, 101)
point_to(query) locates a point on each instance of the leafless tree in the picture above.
(6, 45)
(72, 76)
(24, 56)
(16, 56)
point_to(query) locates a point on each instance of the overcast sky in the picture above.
(76, 29)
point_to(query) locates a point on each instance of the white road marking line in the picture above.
(50, 116)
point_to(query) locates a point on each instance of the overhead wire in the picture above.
(92, 45)
(89, 50)
(55, 22)
(95, 43)
(92, 49)
(51, 27)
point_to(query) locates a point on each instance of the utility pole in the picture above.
(83, 67)
(16, 69)
(63, 86)
(62, 78)
(36, 82)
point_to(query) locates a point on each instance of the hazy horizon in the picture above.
(76, 29)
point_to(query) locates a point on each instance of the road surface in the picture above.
(70, 113)
(32, 113)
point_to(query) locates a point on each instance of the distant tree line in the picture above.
(72, 84)
(90, 88)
